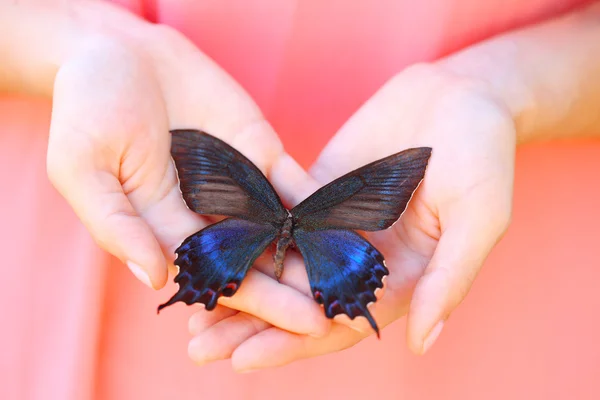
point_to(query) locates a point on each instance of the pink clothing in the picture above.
(80, 326)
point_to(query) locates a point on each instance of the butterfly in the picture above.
(343, 268)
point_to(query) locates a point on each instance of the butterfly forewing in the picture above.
(369, 198)
(216, 179)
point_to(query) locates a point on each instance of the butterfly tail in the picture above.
(369, 317)
(177, 297)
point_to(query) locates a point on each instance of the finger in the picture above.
(462, 249)
(203, 319)
(220, 340)
(274, 347)
(278, 304)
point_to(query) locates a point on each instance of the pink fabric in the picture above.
(79, 326)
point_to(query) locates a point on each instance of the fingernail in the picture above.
(140, 274)
(433, 335)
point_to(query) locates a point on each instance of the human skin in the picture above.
(472, 108)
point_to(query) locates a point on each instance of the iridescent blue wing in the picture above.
(217, 179)
(369, 198)
(214, 261)
(344, 271)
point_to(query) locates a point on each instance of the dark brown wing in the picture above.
(369, 198)
(217, 179)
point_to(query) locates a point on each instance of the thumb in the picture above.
(460, 253)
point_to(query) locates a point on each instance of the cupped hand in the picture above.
(434, 252)
(116, 96)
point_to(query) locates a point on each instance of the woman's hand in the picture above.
(434, 252)
(471, 107)
(118, 85)
(122, 83)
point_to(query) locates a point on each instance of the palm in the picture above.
(408, 247)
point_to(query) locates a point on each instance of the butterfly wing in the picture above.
(214, 261)
(344, 271)
(370, 198)
(217, 179)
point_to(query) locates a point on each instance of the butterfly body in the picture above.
(284, 241)
(343, 268)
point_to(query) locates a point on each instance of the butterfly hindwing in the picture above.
(369, 198)
(344, 271)
(216, 179)
(214, 261)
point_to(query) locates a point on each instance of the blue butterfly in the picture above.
(344, 269)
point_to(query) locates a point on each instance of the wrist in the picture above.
(547, 75)
(39, 39)
(34, 46)
(495, 70)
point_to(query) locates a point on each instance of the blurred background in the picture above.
(77, 325)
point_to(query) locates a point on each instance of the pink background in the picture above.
(78, 325)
